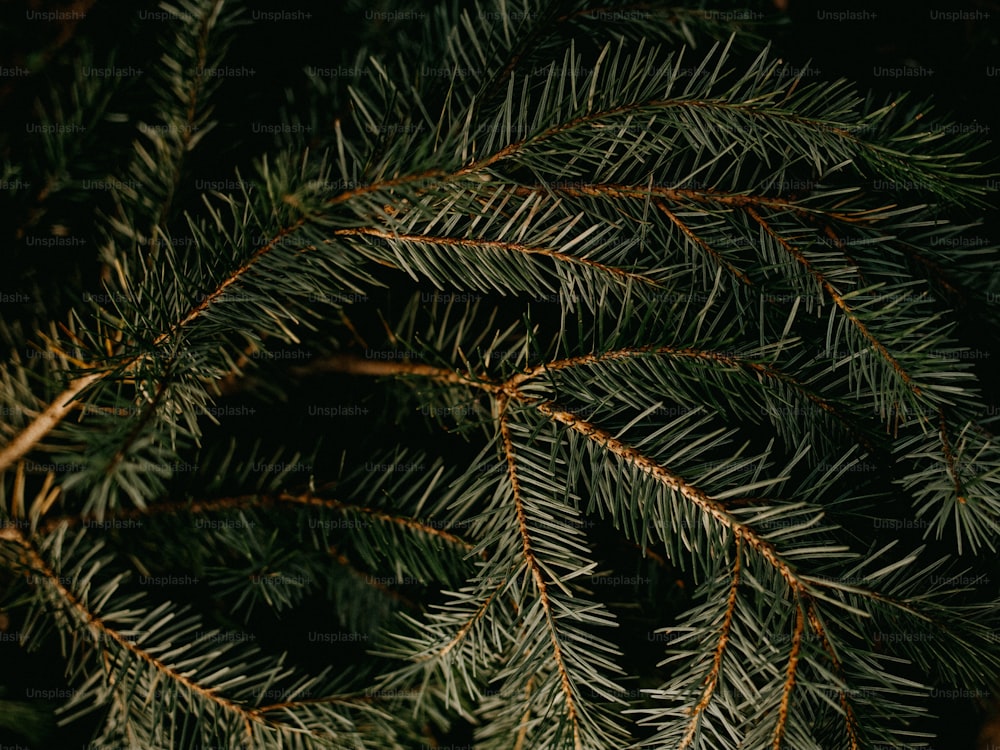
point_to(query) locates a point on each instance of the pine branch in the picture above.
(790, 672)
(706, 329)
(841, 303)
(245, 502)
(64, 403)
(482, 246)
(537, 575)
(182, 88)
(807, 590)
(476, 166)
(712, 680)
(132, 664)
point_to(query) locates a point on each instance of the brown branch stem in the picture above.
(240, 502)
(850, 720)
(790, 672)
(536, 572)
(700, 242)
(838, 300)
(949, 457)
(712, 678)
(700, 196)
(102, 631)
(515, 247)
(41, 425)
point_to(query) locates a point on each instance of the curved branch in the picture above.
(708, 355)
(802, 587)
(510, 390)
(104, 632)
(514, 247)
(45, 422)
(240, 502)
(710, 506)
(31, 435)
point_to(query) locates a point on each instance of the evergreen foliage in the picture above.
(671, 314)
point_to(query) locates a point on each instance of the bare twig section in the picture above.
(790, 671)
(949, 457)
(712, 679)
(17, 493)
(536, 572)
(351, 364)
(10, 534)
(41, 425)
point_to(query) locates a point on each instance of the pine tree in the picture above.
(654, 341)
